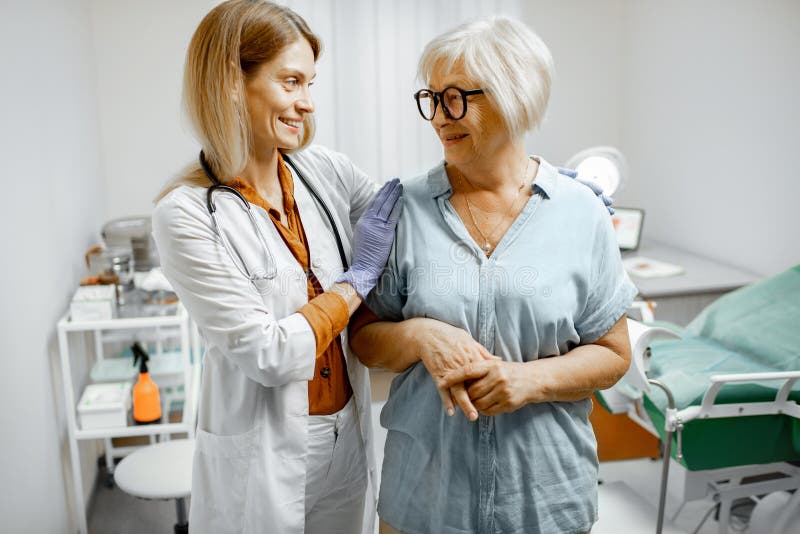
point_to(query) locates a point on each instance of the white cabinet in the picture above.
(172, 336)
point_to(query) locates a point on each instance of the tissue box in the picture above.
(104, 405)
(93, 303)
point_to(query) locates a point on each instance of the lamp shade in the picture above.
(603, 165)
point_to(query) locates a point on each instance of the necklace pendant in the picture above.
(486, 247)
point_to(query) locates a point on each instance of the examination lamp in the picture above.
(603, 165)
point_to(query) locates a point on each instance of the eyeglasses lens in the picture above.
(427, 104)
(454, 103)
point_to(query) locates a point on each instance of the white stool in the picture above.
(160, 471)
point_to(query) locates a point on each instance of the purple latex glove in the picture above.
(373, 237)
(596, 189)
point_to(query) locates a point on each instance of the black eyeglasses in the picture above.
(453, 99)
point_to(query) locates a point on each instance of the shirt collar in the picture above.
(251, 195)
(438, 183)
(546, 180)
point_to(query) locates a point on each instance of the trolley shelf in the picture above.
(128, 431)
(182, 426)
(123, 323)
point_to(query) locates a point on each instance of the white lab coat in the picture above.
(249, 467)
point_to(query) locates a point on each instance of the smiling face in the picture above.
(278, 97)
(479, 133)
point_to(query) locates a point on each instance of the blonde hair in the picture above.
(230, 44)
(509, 60)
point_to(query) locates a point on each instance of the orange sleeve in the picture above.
(328, 316)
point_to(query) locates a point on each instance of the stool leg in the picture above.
(182, 526)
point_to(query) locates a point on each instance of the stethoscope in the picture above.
(271, 270)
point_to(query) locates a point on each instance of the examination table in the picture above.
(722, 395)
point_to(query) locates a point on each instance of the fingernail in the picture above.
(473, 416)
(451, 412)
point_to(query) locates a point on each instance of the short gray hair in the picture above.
(507, 58)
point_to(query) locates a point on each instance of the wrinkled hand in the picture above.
(445, 349)
(596, 189)
(373, 237)
(495, 386)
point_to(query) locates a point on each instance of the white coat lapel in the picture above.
(325, 260)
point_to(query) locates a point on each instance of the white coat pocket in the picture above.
(220, 480)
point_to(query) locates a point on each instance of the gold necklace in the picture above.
(487, 243)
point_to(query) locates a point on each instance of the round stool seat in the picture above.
(158, 471)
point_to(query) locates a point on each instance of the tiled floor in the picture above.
(115, 512)
(628, 501)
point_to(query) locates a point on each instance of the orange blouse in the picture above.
(327, 313)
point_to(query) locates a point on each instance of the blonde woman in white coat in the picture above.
(284, 437)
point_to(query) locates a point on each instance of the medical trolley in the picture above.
(83, 346)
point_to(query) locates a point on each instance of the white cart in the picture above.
(152, 332)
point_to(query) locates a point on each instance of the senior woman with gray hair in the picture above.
(505, 294)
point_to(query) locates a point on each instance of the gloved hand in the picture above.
(373, 237)
(596, 189)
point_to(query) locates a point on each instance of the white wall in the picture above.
(51, 210)
(711, 123)
(696, 94)
(140, 50)
(585, 39)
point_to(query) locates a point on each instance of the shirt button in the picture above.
(325, 372)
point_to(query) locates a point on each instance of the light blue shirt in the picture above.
(554, 281)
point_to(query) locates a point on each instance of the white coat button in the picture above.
(316, 263)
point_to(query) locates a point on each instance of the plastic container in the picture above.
(104, 405)
(93, 303)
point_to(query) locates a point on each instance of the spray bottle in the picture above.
(146, 400)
